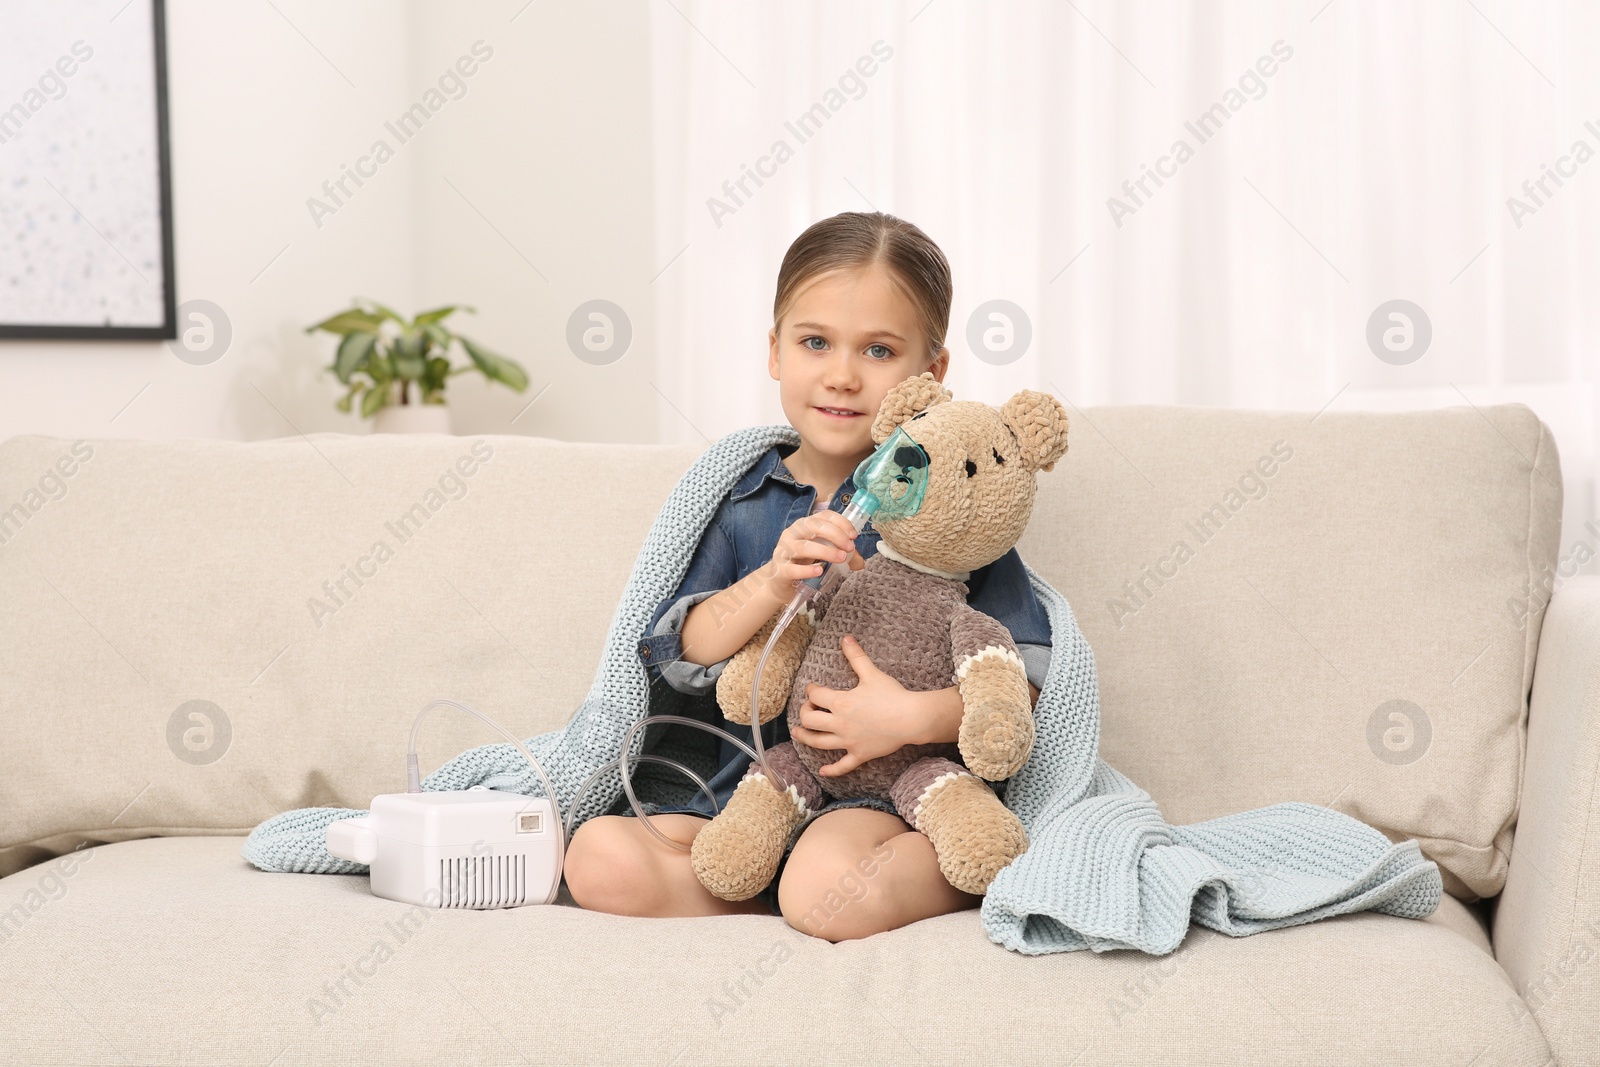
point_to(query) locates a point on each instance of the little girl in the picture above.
(863, 303)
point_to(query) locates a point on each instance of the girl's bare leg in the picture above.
(614, 864)
(859, 871)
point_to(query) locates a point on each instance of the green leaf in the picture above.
(495, 367)
(343, 403)
(440, 314)
(373, 400)
(407, 357)
(379, 368)
(440, 336)
(348, 322)
(353, 352)
(433, 378)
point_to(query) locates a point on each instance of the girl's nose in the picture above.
(840, 372)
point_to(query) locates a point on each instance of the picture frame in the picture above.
(85, 161)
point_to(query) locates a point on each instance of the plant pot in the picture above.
(412, 418)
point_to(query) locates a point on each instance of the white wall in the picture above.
(1374, 162)
(267, 101)
(551, 182)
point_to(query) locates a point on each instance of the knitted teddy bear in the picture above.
(907, 608)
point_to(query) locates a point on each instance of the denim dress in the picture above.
(739, 540)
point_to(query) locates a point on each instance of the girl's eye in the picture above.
(807, 342)
(887, 351)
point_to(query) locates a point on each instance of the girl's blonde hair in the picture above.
(853, 239)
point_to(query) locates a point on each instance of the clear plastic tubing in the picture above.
(627, 783)
(564, 824)
(885, 477)
(414, 776)
(857, 516)
(584, 788)
(889, 483)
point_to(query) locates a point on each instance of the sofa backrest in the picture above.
(1340, 608)
(206, 633)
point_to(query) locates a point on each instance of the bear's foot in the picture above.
(974, 835)
(736, 856)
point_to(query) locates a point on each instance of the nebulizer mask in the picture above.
(488, 848)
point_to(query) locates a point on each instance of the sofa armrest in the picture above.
(1547, 920)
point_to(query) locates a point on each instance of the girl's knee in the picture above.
(836, 890)
(605, 867)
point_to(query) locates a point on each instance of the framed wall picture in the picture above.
(85, 180)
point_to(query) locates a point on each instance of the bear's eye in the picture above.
(998, 458)
(918, 415)
(972, 468)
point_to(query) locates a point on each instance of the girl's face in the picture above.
(846, 340)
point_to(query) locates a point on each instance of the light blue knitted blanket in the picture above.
(1103, 869)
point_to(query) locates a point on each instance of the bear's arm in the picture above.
(777, 676)
(996, 735)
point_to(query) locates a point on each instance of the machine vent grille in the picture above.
(483, 881)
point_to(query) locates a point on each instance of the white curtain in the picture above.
(1355, 153)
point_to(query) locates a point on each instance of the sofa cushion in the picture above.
(1326, 608)
(170, 949)
(201, 634)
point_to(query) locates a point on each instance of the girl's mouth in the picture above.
(839, 413)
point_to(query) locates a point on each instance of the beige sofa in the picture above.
(1355, 617)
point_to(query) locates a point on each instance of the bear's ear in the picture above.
(905, 400)
(1039, 422)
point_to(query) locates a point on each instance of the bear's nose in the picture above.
(905, 456)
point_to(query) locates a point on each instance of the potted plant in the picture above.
(382, 356)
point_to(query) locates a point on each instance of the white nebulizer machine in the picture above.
(487, 848)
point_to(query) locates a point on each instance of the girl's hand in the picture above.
(877, 717)
(806, 548)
